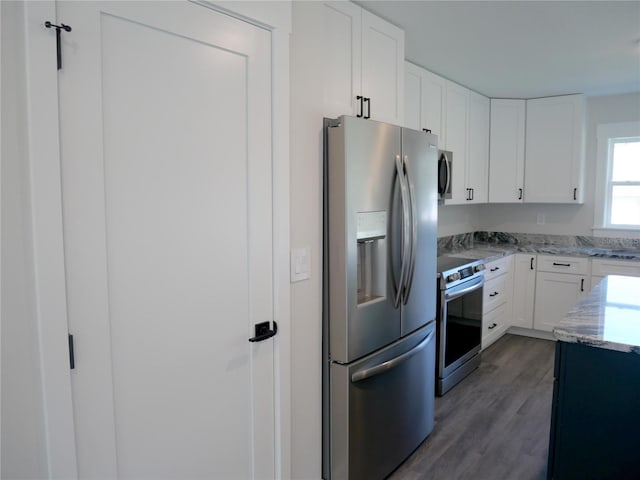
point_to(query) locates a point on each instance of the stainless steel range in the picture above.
(459, 321)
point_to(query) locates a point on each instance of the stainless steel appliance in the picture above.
(380, 220)
(459, 320)
(445, 168)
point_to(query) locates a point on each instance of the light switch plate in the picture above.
(300, 264)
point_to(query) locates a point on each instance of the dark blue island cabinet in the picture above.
(595, 420)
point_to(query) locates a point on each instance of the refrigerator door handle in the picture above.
(390, 364)
(414, 231)
(404, 200)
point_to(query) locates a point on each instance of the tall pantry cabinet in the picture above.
(363, 64)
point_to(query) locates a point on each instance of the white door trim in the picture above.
(46, 208)
(44, 160)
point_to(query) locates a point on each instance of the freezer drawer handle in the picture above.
(263, 332)
(390, 364)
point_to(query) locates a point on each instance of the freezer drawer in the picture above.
(382, 407)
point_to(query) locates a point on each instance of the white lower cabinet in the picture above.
(560, 283)
(496, 302)
(524, 288)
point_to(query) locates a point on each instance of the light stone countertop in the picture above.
(608, 317)
(493, 251)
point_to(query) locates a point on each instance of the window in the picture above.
(623, 184)
(618, 177)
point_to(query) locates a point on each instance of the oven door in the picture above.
(460, 324)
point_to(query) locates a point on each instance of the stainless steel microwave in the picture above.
(445, 168)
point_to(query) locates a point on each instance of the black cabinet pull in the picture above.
(368, 100)
(426, 130)
(72, 356)
(531, 263)
(582, 285)
(519, 194)
(562, 264)
(494, 269)
(492, 326)
(263, 332)
(575, 193)
(493, 294)
(360, 97)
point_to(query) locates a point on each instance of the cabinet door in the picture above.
(506, 151)
(342, 58)
(433, 112)
(457, 118)
(413, 96)
(383, 68)
(554, 150)
(477, 174)
(556, 294)
(524, 284)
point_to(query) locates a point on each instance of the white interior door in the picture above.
(167, 198)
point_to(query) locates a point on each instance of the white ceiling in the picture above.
(523, 49)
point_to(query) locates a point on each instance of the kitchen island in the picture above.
(596, 396)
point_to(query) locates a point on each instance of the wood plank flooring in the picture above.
(494, 425)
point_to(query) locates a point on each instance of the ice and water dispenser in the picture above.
(372, 255)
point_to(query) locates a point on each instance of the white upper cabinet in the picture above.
(554, 155)
(342, 62)
(424, 105)
(364, 57)
(478, 147)
(506, 151)
(383, 68)
(460, 118)
(456, 125)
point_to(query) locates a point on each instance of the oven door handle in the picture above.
(390, 364)
(458, 293)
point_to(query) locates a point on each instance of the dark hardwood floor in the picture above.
(494, 425)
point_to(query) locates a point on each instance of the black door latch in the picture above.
(263, 332)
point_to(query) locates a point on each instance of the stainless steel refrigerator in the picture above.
(380, 221)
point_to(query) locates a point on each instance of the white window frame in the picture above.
(606, 132)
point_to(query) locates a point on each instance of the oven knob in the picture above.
(478, 268)
(453, 277)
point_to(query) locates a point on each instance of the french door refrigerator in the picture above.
(379, 295)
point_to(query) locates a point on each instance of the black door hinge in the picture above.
(64, 27)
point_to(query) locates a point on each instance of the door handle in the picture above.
(561, 264)
(262, 331)
(582, 285)
(531, 263)
(414, 230)
(519, 194)
(493, 294)
(492, 326)
(368, 100)
(389, 364)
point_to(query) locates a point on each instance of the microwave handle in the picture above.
(442, 190)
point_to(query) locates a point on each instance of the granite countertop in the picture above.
(609, 317)
(493, 251)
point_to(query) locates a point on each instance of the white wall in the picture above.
(456, 219)
(23, 436)
(565, 219)
(306, 231)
